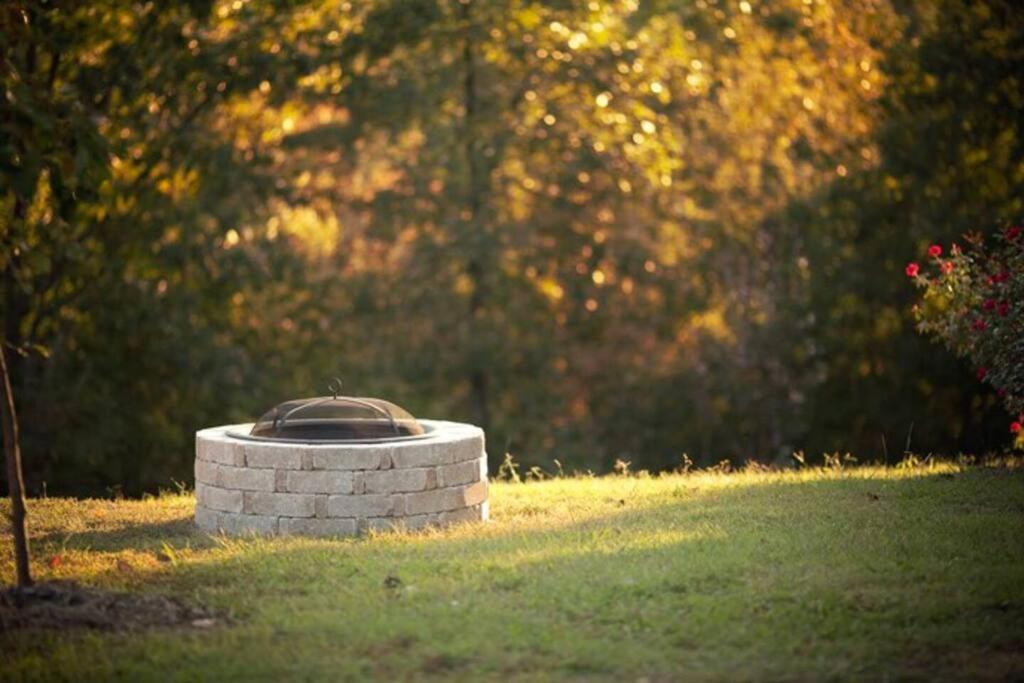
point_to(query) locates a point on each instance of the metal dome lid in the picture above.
(335, 419)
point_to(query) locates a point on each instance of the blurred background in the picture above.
(602, 230)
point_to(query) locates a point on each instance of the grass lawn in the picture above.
(867, 574)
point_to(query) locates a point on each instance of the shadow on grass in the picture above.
(685, 498)
(176, 533)
(851, 576)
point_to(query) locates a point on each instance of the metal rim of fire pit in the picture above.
(335, 419)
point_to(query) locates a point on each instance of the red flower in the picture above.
(912, 269)
(980, 373)
(1013, 233)
(998, 277)
(979, 324)
(947, 267)
(988, 304)
(1016, 427)
(935, 251)
(1000, 392)
(1004, 308)
(54, 561)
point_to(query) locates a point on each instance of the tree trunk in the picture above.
(15, 483)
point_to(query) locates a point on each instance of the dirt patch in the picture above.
(442, 664)
(63, 605)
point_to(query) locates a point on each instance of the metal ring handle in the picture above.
(334, 386)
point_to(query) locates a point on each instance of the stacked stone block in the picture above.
(247, 486)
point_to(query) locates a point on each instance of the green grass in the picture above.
(866, 574)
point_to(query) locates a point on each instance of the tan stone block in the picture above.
(470, 448)
(234, 524)
(246, 479)
(220, 499)
(279, 504)
(450, 498)
(474, 494)
(458, 473)
(220, 449)
(318, 527)
(414, 454)
(430, 501)
(366, 458)
(207, 519)
(366, 505)
(319, 481)
(397, 481)
(275, 456)
(207, 472)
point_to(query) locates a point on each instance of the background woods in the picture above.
(602, 230)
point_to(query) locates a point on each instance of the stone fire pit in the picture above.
(337, 466)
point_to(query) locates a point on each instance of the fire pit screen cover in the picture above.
(336, 418)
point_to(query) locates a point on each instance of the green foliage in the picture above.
(115, 191)
(941, 167)
(972, 304)
(605, 231)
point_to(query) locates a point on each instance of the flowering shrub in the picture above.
(973, 301)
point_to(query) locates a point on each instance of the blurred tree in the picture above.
(949, 161)
(580, 205)
(602, 230)
(116, 187)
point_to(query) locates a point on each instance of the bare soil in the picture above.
(65, 605)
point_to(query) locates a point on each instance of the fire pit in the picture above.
(336, 466)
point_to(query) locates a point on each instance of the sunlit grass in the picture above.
(808, 574)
